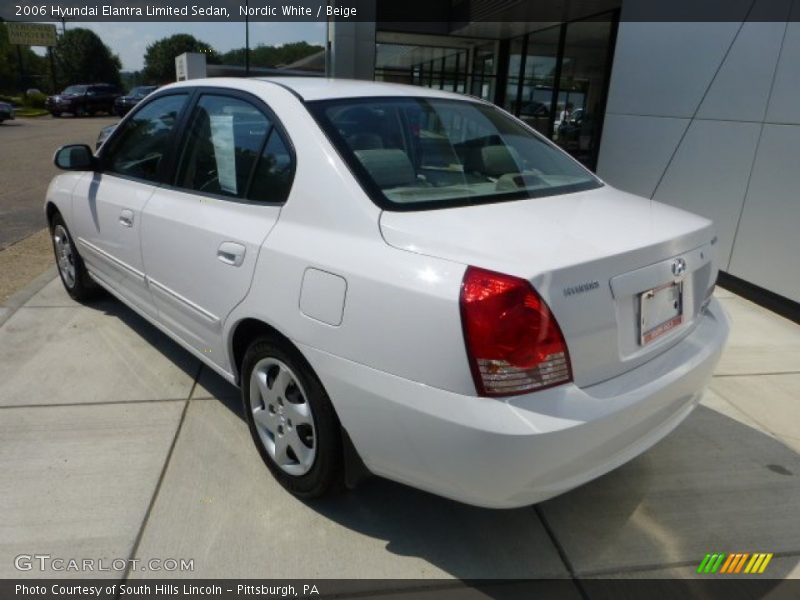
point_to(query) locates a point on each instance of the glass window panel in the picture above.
(581, 87)
(137, 150)
(224, 141)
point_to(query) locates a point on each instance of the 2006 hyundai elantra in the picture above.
(397, 278)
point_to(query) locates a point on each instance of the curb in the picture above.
(20, 297)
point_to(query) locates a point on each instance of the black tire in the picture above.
(56, 115)
(80, 287)
(326, 475)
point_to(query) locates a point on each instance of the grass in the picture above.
(30, 112)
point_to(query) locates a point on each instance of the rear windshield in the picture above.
(417, 153)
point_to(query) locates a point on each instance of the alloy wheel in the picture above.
(283, 416)
(65, 256)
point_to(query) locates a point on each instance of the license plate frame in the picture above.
(660, 311)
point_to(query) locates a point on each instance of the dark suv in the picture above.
(83, 100)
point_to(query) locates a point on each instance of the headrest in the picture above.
(389, 167)
(498, 160)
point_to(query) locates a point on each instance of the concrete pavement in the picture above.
(119, 444)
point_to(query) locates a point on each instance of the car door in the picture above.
(108, 204)
(202, 235)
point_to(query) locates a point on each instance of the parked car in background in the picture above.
(484, 319)
(6, 112)
(124, 103)
(83, 100)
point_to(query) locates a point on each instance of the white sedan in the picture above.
(401, 281)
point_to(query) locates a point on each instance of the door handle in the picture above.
(231, 253)
(126, 218)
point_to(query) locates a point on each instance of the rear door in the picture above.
(201, 235)
(107, 210)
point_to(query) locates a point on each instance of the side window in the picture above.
(224, 140)
(137, 150)
(274, 173)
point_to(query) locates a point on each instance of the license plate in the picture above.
(660, 311)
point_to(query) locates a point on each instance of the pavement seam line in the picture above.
(765, 374)
(101, 403)
(562, 553)
(138, 540)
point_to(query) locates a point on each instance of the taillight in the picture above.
(513, 341)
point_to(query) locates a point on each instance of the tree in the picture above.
(271, 56)
(82, 57)
(159, 58)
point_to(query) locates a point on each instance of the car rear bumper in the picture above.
(521, 450)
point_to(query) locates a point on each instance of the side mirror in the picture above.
(75, 157)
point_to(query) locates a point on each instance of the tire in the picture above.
(291, 419)
(56, 115)
(71, 270)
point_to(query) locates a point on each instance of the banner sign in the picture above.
(31, 34)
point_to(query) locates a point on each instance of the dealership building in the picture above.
(700, 115)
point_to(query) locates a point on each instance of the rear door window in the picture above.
(232, 149)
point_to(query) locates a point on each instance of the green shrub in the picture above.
(35, 100)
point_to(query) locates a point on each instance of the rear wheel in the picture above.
(73, 273)
(291, 419)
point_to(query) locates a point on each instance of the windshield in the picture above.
(142, 91)
(75, 90)
(416, 153)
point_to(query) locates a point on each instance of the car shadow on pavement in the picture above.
(713, 485)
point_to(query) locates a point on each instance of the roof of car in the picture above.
(321, 88)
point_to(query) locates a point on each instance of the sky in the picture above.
(129, 40)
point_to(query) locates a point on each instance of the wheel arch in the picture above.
(50, 211)
(242, 335)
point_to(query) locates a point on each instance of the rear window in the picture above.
(417, 153)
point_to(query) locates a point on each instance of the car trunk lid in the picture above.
(591, 256)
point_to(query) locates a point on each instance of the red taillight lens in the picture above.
(513, 341)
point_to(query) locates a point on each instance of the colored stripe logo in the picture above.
(734, 563)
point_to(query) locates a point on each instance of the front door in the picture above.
(107, 226)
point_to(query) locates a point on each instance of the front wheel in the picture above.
(73, 273)
(291, 419)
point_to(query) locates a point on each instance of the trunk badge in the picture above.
(581, 288)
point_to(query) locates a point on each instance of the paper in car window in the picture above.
(224, 151)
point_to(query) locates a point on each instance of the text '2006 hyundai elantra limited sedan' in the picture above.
(401, 279)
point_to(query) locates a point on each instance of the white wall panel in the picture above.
(709, 173)
(784, 106)
(664, 68)
(634, 150)
(734, 90)
(767, 247)
(741, 88)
